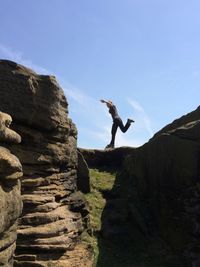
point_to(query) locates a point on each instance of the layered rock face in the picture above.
(10, 193)
(54, 213)
(164, 186)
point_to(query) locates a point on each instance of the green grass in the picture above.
(100, 181)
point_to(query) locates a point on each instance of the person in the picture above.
(117, 122)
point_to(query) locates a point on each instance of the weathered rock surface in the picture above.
(163, 184)
(10, 194)
(6, 134)
(49, 228)
(106, 158)
(187, 124)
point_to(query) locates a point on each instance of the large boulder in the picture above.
(163, 186)
(26, 95)
(49, 229)
(10, 194)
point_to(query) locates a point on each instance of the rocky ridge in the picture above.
(164, 186)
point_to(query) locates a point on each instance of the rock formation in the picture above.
(54, 213)
(163, 179)
(161, 184)
(10, 193)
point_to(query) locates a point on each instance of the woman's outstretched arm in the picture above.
(110, 103)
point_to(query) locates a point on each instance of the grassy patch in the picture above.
(100, 181)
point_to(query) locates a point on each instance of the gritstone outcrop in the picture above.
(10, 193)
(161, 188)
(54, 213)
(164, 186)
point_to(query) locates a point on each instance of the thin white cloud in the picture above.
(102, 134)
(143, 115)
(78, 96)
(85, 105)
(18, 57)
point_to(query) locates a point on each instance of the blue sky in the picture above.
(142, 54)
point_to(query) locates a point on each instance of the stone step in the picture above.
(50, 229)
(38, 218)
(35, 182)
(56, 240)
(46, 207)
(52, 191)
(25, 257)
(34, 199)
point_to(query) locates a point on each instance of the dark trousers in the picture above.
(117, 122)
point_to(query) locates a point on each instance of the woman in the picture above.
(117, 122)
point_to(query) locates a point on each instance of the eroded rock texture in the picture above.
(10, 194)
(54, 214)
(109, 158)
(164, 186)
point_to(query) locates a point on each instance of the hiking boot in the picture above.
(109, 146)
(130, 120)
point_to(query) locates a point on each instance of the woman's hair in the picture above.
(109, 103)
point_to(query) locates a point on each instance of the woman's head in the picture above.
(109, 103)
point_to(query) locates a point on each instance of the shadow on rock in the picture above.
(128, 237)
(119, 241)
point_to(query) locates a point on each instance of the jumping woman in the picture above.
(117, 122)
